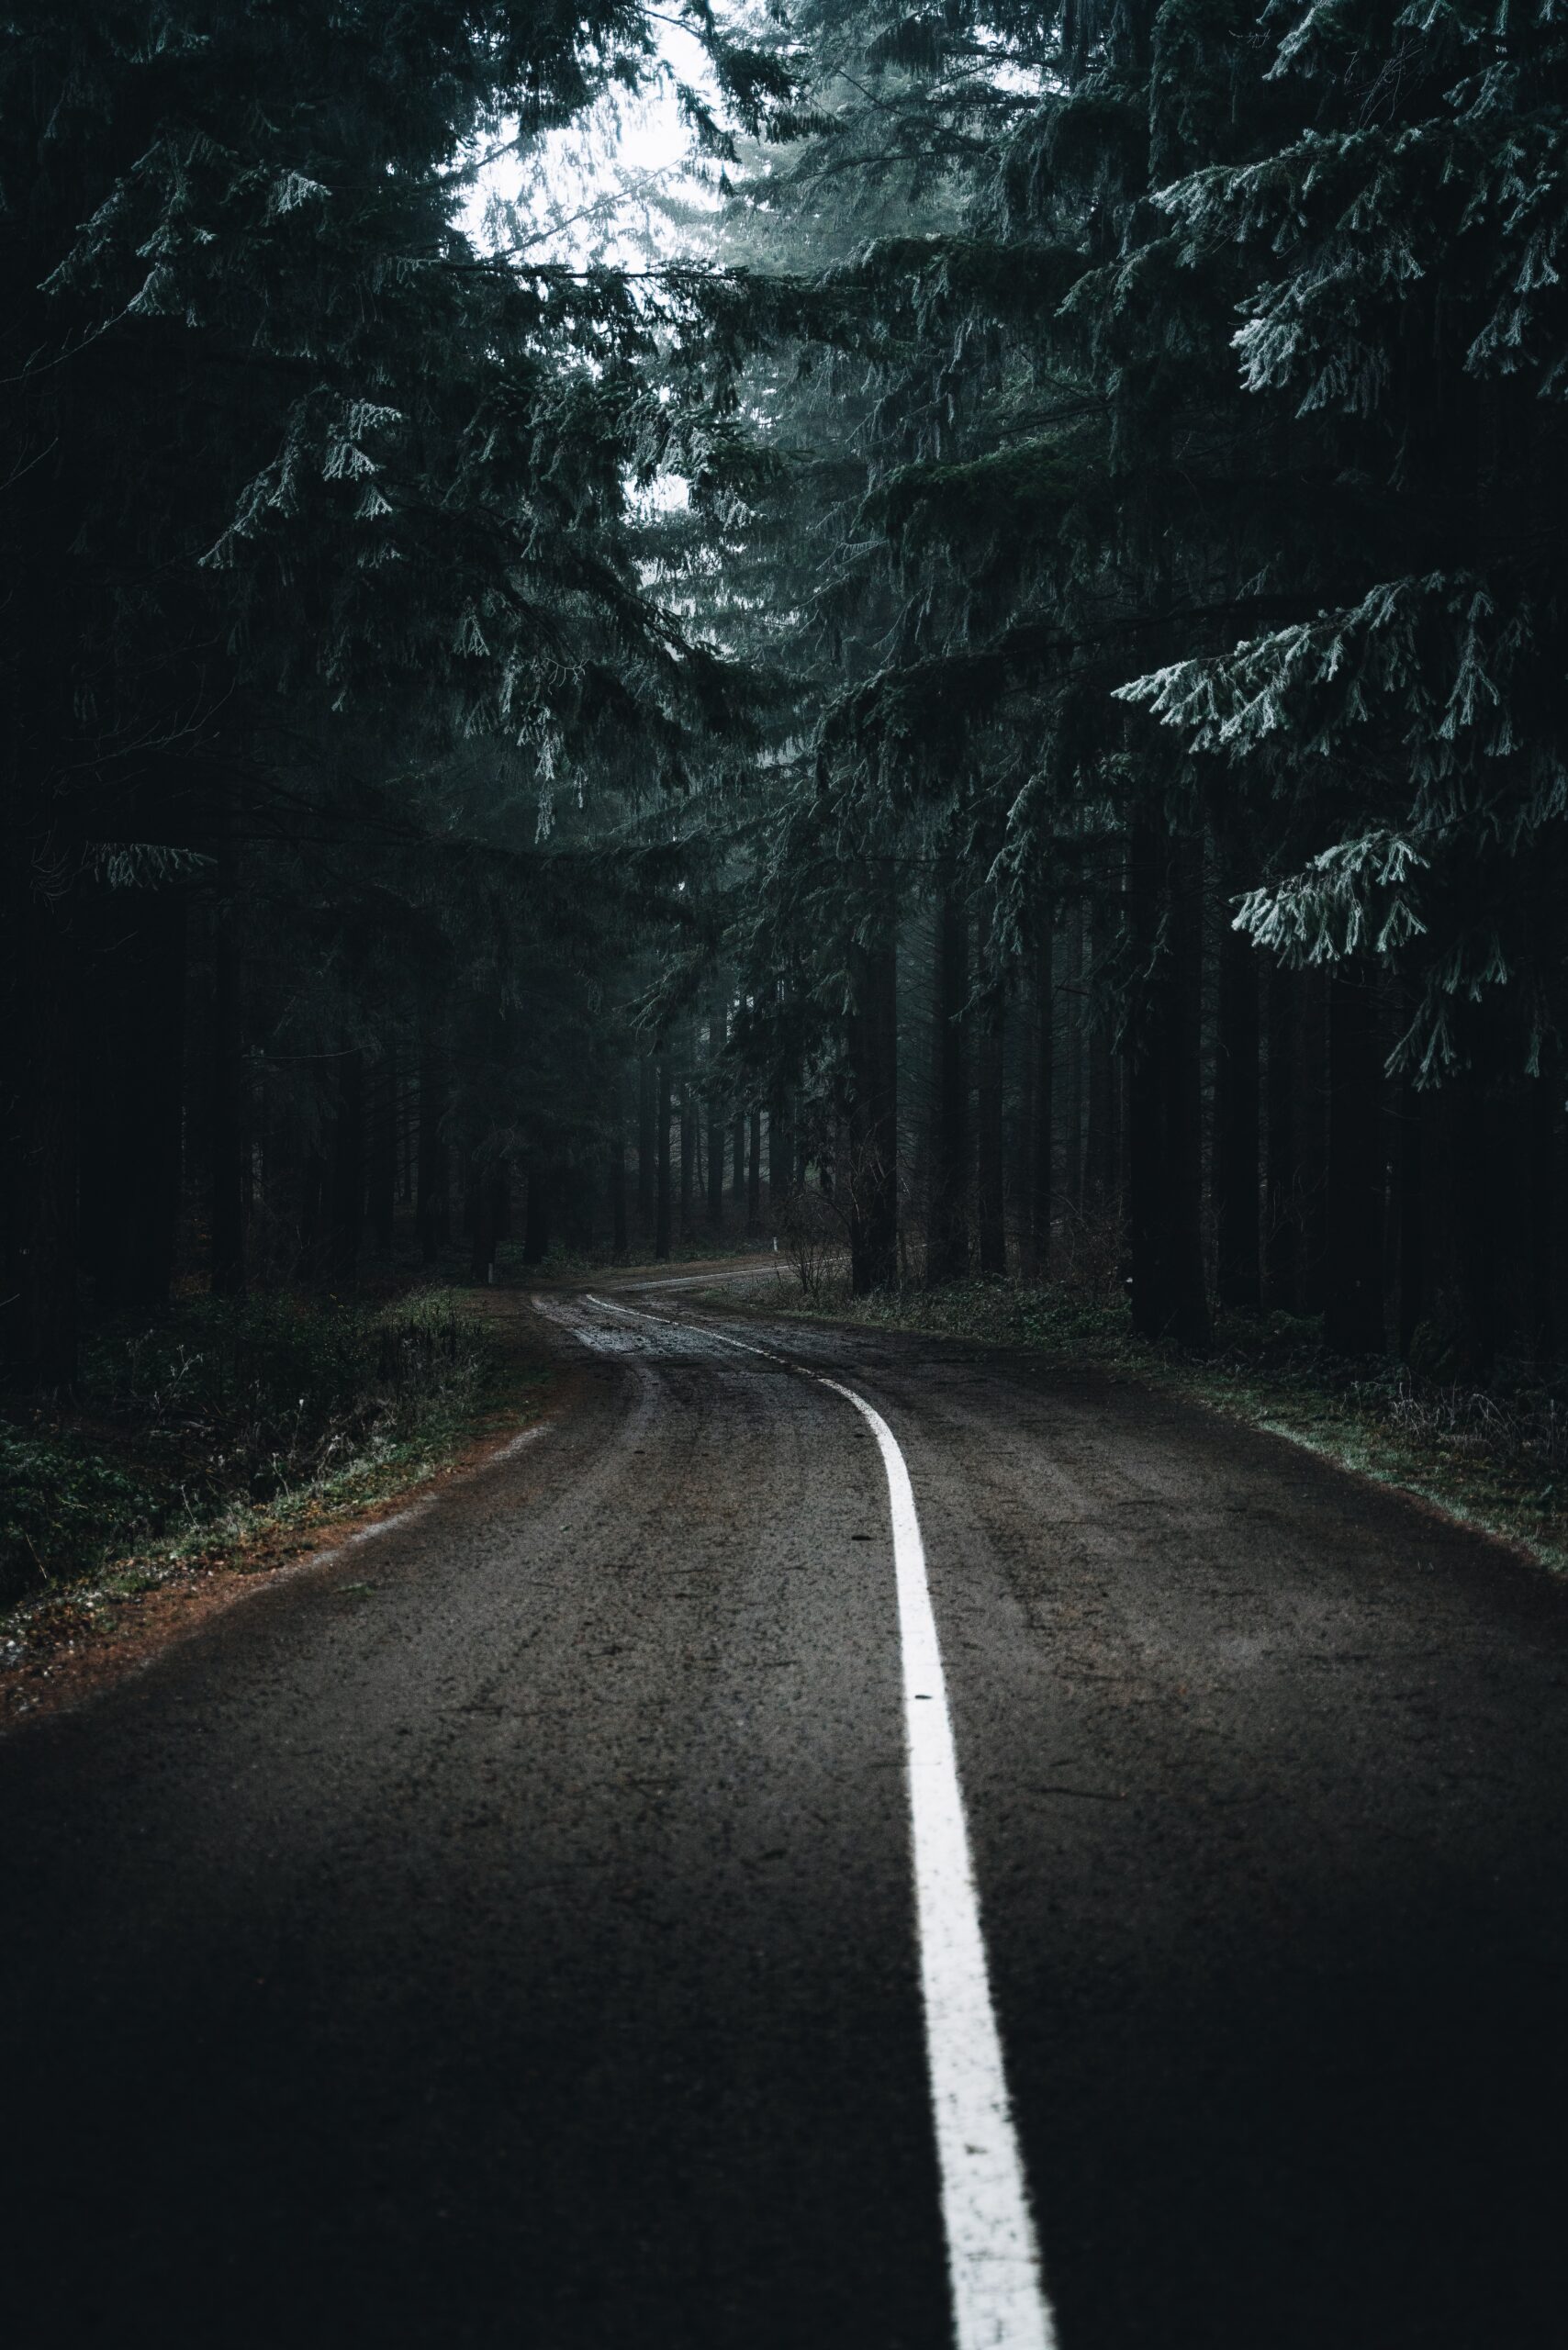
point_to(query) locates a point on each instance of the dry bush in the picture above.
(811, 1235)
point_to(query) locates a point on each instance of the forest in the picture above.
(986, 681)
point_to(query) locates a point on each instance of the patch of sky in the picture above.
(624, 187)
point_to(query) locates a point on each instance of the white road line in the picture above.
(993, 2264)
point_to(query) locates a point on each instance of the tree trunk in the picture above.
(716, 1129)
(1097, 1141)
(647, 1141)
(482, 1218)
(1412, 1216)
(688, 1159)
(620, 1238)
(538, 1215)
(1281, 1237)
(715, 1119)
(348, 1169)
(42, 1154)
(433, 1211)
(226, 1125)
(1352, 1318)
(1474, 1225)
(1072, 1136)
(133, 1051)
(754, 1177)
(1544, 1096)
(1184, 1135)
(384, 1158)
(990, 1198)
(1164, 1114)
(873, 1115)
(947, 1138)
(737, 1179)
(1042, 1171)
(662, 1205)
(1236, 1110)
(150, 1256)
(1312, 1139)
(780, 1155)
(1095, 1048)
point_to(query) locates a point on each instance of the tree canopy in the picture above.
(1022, 637)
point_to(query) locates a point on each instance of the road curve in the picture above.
(505, 1933)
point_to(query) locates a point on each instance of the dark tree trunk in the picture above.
(1073, 1134)
(990, 1198)
(1312, 1139)
(715, 1119)
(313, 1213)
(433, 1211)
(134, 1017)
(1474, 1225)
(647, 1141)
(1116, 1145)
(538, 1215)
(348, 1169)
(780, 1154)
(1352, 1320)
(662, 1205)
(947, 1137)
(1412, 1214)
(873, 1116)
(1236, 1108)
(753, 1177)
(737, 1178)
(1281, 1237)
(1097, 1143)
(41, 1160)
(1095, 1048)
(1042, 1172)
(384, 1159)
(1184, 1135)
(1164, 1115)
(688, 1160)
(716, 1129)
(1021, 1131)
(226, 1124)
(149, 1255)
(620, 1239)
(482, 1205)
(1543, 1207)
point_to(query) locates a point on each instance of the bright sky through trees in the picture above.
(613, 184)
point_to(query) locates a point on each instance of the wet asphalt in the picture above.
(502, 1935)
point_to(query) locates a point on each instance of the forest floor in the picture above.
(198, 1460)
(1493, 1458)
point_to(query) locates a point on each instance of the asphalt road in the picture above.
(504, 1935)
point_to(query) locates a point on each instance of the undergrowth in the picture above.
(179, 1435)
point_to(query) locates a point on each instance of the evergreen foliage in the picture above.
(1022, 635)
